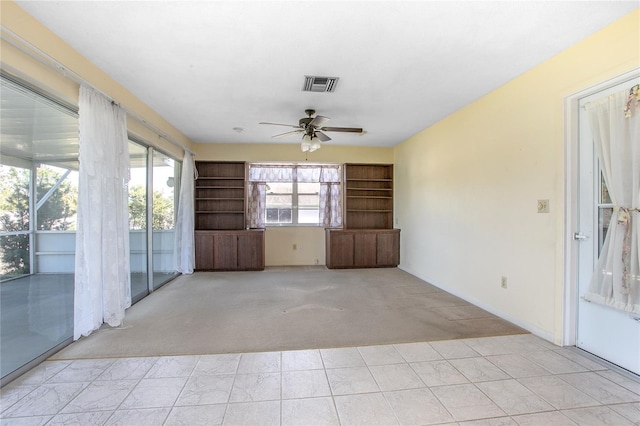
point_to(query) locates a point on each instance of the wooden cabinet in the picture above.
(360, 248)
(368, 240)
(241, 250)
(339, 249)
(222, 242)
(368, 196)
(220, 195)
(251, 250)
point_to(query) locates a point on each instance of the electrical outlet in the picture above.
(543, 206)
(503, 282)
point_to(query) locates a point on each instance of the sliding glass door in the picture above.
(138, 221)
(38, 207)
(166, 178)
(38, 186)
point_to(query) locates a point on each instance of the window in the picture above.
(292, 203)
(292, 194)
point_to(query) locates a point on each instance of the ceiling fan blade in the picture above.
(318, 121)
(287, 133)
(342, 129)
(278, 124)
(322, 136)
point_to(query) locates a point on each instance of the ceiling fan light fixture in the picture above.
(306, 144)
(315, 145)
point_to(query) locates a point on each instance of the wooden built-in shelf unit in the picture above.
(220, 195)
(368, 196)
(368, 239)
(222, 241)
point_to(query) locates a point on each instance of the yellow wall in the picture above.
(309, 241)
(39, 39)
(291, 152)
(467, 187)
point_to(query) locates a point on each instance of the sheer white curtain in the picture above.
(102, 280)
(615, 124)
(184, 249)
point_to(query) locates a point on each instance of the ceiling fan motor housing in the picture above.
(304, 122)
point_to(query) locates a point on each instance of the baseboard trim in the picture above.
(544, 334)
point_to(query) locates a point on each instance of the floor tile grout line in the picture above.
(89, 383)
(281, 368)
(326, 376)
(191, 374)
(132, 389)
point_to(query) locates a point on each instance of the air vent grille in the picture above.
(319, 84)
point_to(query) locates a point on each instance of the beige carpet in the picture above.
(288, 309)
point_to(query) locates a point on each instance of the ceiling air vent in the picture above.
(319, 84)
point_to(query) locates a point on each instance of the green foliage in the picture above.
(58, 212)
(14, 187)
(163, 215)
(137, 207)
(55, 214)
(14, 201)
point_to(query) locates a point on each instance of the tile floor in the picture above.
(508, 380)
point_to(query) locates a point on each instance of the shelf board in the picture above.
(219, 212)
(219, 199)
(350, 188)
(220, 178)
(369, 197)
(369, 180)
(369, 211)
(219, 187)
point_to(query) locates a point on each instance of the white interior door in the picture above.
(606, 332)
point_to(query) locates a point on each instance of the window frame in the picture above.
(295, 207)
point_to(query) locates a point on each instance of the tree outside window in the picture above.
(57, 212)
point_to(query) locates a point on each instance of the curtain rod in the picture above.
(45, 59)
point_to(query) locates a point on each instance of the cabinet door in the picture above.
(204, 252)
(225, 252)
(364, 250)
(251, 251)
(388, 249)
(340, 250)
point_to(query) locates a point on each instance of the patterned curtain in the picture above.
(271, 173)
(329, 177)
(330, 196)
(257, 202)
(330, 205)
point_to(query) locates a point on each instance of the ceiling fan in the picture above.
(312, 129)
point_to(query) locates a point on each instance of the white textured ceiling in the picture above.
(210, 66)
